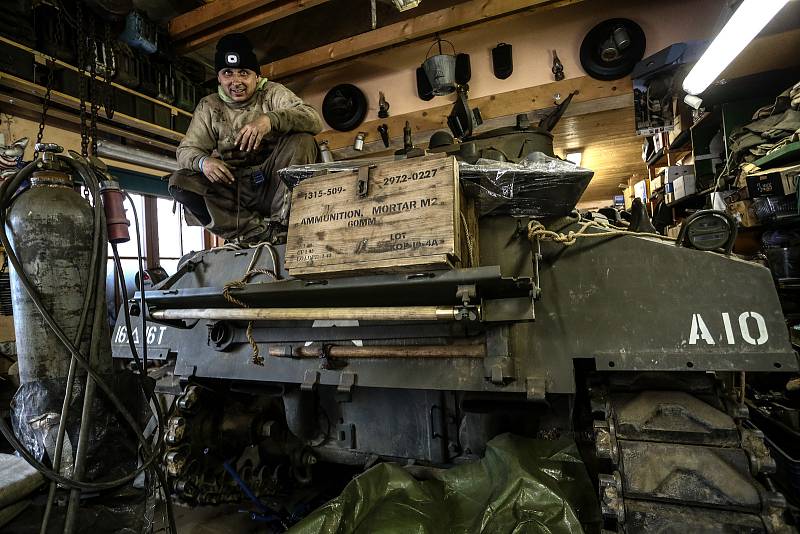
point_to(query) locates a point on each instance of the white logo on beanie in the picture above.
(232, 59)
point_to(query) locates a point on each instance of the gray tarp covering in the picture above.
(520, 486)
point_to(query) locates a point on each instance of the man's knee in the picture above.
(303, 143)
(193, 202)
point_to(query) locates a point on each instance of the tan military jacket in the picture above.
(215, 124)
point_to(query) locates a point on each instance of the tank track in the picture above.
(672, 461)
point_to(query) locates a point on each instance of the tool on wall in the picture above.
(408, 149)
(502, 61)
(358, 142)
(463, 120)
(325, 152)
(612, 48)
(383, 106)
(383, 129)
(558, 68)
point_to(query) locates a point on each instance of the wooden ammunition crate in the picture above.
(398, 216)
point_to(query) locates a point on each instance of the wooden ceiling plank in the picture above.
(208, 15)
(244, 23)
(458, 16)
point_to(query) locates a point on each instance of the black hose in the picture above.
(159, 414)
(142, 364)
(94, 279)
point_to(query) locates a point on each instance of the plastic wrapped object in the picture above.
(537, 186)
(769, 209)
(521, 485)
(113, 450)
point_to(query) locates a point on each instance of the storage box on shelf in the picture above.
(26, 71)
(773, 182)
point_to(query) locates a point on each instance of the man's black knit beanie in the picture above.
(235, 51)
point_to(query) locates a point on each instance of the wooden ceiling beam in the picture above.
(451, 18)
(269, 12)
(208, 15)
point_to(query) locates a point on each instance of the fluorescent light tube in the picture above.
(747, 21)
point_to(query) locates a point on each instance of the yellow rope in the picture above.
(240, 284)
(537, 230)
(469, 241)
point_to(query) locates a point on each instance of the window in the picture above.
(175, 237)
(128, 255)
(165, 236)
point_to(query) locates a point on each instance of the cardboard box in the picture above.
(676, 171)
(658, 142)
(683, 186)
(742, 211)
(673, 231)
(773, 182)
(658, 181)
(682, 119)
(392, 217)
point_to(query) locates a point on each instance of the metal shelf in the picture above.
(43, 59)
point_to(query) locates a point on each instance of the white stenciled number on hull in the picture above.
(155, 334)
(752, 329)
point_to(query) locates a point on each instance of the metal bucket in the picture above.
(441, 72)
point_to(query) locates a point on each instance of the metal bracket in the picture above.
(465, 292)
(310, 380)
(537, 257)
(535, 388)
(344, 390)
(363, 181)
(498, 365)
(347, 435)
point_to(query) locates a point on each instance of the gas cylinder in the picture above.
(50, 227)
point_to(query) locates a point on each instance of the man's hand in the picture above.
(216, 171)
(251, 134)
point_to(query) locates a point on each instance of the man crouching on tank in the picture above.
(237, 141)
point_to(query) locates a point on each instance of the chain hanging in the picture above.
(109, 59)
(81, 48)
(94, 106)
(50, 65)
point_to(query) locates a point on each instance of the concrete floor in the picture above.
(223, 519)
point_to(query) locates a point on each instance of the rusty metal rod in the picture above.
(397, 313)
(383, 351)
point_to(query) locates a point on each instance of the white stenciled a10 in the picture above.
(154, 334)
(752, 329)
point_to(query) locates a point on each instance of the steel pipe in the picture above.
(137, 156)
(397, 313)
(383, 351)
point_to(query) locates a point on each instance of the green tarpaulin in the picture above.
(520, 486)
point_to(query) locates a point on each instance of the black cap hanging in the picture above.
(344, 107)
